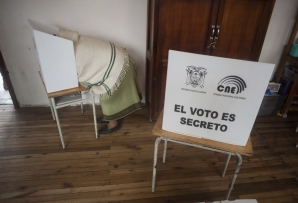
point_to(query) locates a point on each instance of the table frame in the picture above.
(166, 140)
(202, 143)
(54, 106)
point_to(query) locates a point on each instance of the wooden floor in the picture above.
(118, 167)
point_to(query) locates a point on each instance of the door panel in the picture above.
(240, 22)
(183, 26)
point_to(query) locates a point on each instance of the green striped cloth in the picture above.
(106, 74)
(101, 66)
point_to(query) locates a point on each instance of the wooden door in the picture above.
(242, 28)
(186, 25)
(183, 26)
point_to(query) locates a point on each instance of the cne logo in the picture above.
(231, 84)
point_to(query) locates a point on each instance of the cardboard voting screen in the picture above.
(55, 57)
(212, 97)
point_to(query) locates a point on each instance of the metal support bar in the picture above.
(72, 102)
(157, 141)
(198, 146)
(164, 151)
(226, 166)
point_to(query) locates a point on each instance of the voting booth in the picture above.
(213, 98)
(55, 56)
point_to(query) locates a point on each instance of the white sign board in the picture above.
(213, 98)
(55, 56)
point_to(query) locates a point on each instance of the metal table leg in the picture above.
(164, 151)
(157, 141)
(52, 110)
(94, 116)
(226, 166)
(239, 162)
(58, 122)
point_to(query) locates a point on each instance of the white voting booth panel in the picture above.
(55, 56)
(212, 97)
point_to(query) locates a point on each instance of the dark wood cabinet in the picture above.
(237, 26)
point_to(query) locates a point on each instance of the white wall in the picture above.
(122, 22)
(279, 30)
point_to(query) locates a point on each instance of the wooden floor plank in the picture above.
(118, 167)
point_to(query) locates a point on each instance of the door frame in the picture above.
(6, 79)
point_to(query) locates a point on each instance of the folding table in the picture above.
(199, 143)
(55, 104)
(61, 99)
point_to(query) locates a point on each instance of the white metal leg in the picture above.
(58, 122)
(94, 116)
(239, 162)
(226, 166)
(157, 141)
(164, 151)
(82, 108)
(53, 114)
